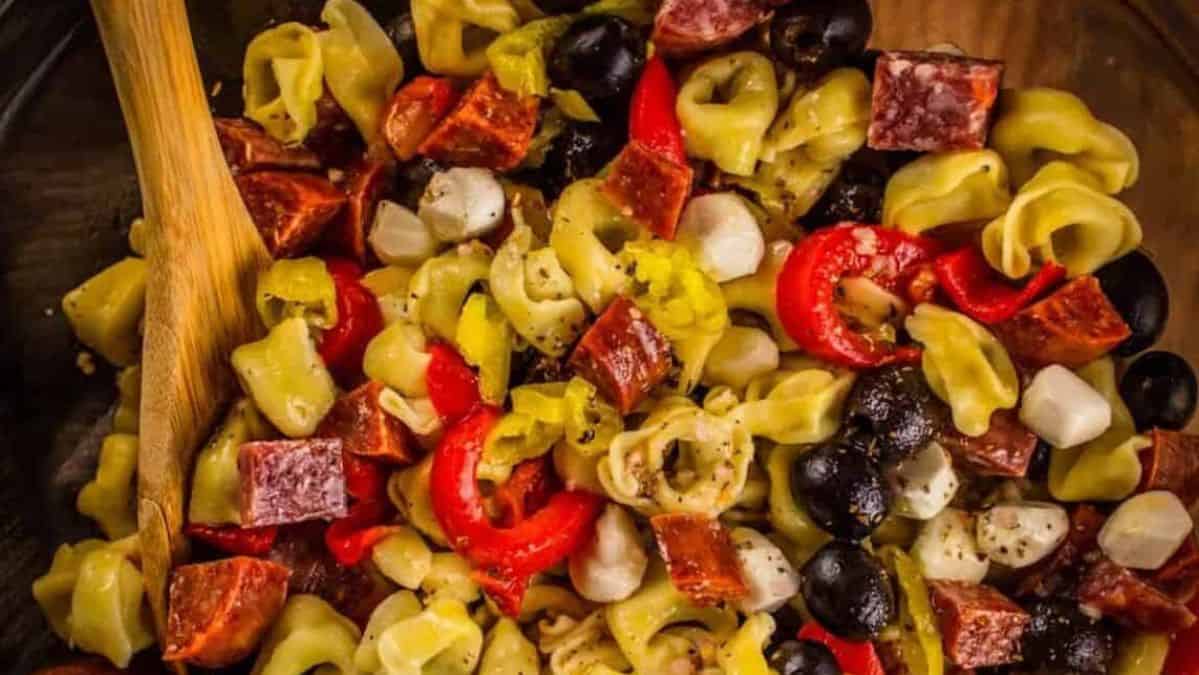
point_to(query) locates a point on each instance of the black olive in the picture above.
(580, 151)
(787, 623)
(1038, 466)
(856, 194)
(804, 657)
(1138, 291)
(815, 36)
(413, 177)
(600, 56)
(402, 32)
(561, 6)
(1060, 637)
(1160, 390)
(842, 489)
(897, 406)
(848, 592)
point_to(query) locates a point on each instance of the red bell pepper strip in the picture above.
(505, 558)
(358, 320)
(652, 116)
(235, 540)
(365, 479)
(351, 539)
(858, 658)
(806, 292)
(453, 386)
(981, 293)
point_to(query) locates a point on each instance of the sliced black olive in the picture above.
(842, 489)
(804, 657)
(815, 36)
(402, 32)
(413, 177)
(561, 6)
(848, 592)
(580, 151)
(856, 194)
(1061, 638)
(897, 406)
(1160, 391)
(1138, 291)
(600, 56)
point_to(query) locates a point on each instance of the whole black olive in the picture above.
(580, 151)
(402, 32)
(848, 592)
(856, 194)
(1138, 291)
(561, 6)
(804, 657)
(787, 623)
(842, 489)
(600, 56)
(815, 36)
(1038, 466)
(1060, 637)
(896, 404)
(1160, 390)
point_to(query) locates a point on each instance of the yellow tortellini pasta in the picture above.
(536, 294)
(398, 358)
(756, 293)
(216, 484)
(785, 514)
(308, 633)
(965, 366)
(286, 378)
(109, 498)
(300, 287)
(745, 652)
(486, 342)
(714, 454)
(508, 652)
(450, 577)
(1060, 215)
(518, 58)
(127, 415)
(1140, 654)
(1039, 125)
(106, 311)
(403, 557)
(408, 490)
(581, 647)
(443, 33)
(828, 120)
(547, 601)
(418, 414)
(1106, 468)
(951, 187)
(789, 185)
(799, 403)
(362, 66)
(441, 639)
(725, 106)
(282, 76)
(396, 608)
(587, 228)
(439, 288)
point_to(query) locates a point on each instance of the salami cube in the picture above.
(414, 111)
(291, 481)
(290, 209)
(220, 610)
(689, 26)
(366, 182)
(1117, 593)
(1005, 450)
(353, 591)
(248, 147)
(649, 188)
(1179, 577)
(932, 102)
(365, 429)
(1171, 463)
(490, 128)
(623, 355)
(979, 626)
(1053, 574)
(700, 556)
(1072, 327)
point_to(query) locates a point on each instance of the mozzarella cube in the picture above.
(722, 234)
(771, 579)
(742, 354)
(925, 483)
(399, 237)
(610, 566)
(946, 548)
(462, 204)
(1063, 409)
(1146, 530)
(1019, 534)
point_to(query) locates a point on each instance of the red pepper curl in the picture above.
(981, 293)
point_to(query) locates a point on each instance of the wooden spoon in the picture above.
(204, 255)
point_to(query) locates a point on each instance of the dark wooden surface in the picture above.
(67, 193)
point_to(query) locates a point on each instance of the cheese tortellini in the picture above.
(362, 66)
(283, 74)
(441, 639)
(216, 484)
(756, 293)
(442, 28)
(585, 225)
(1060, 215)
(408, 490)
(109, 498)
(581, 647)
(509, 652)
(745, 652)
(789, 186)
(965, 366)
(286, 378)
(404, 557)
(439, 288)
(536, 294)
(106, 311)
(945, 188)
(308, 633)
(725, 106)
(799, 403)
(398, 357)
(396, 608)
(828, 120)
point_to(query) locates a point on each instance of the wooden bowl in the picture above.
(68, 191)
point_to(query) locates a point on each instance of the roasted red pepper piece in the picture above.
(453, 386)
(981, 293)
(358, 321)
(504, 558)
(858, 658)
(414, 111)
(652, 117)
(806, 293)
(1183, 658)
(351, 539)
(233, 539)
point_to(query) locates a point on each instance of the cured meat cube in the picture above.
(688, 26)
(248, 147)
(979, 626)
(366, 182)
(1004, 450)
(491, 128)
(1179, 577)
(1116, 592)
(932, 102)
(291, 481)
(354, 591)
(649, 188)
(365, 429)
(290, 209)
(1171, 463)
(1072, 327)
(220, 610)
(700, 557)
(623, 355)
(1055, 573)
(414, 111)
(334, 139)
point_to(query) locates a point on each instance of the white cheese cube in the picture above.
(399, 237)
(946, 548)
(771, 579)
(1019, 534)
(1063, 409)
(925, 483)
(722, 234)
(1146, 530)
(610, 567)
(462, 204)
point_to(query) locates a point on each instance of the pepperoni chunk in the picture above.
(291, 481)
(1115, 592)
(334, 139)
(414, 111)
(1056, 572)
(248, 148)
(491, 128)
(354, 591)
(700, 556)
(1072, 327)
(1005, 450)
(979, 626)
(220, 610)
(365, 429)
(366, 182)
(290, 209)
(1179, 577)
(689, 26)
(623, 355)
(1171, 463)
(649, 188)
